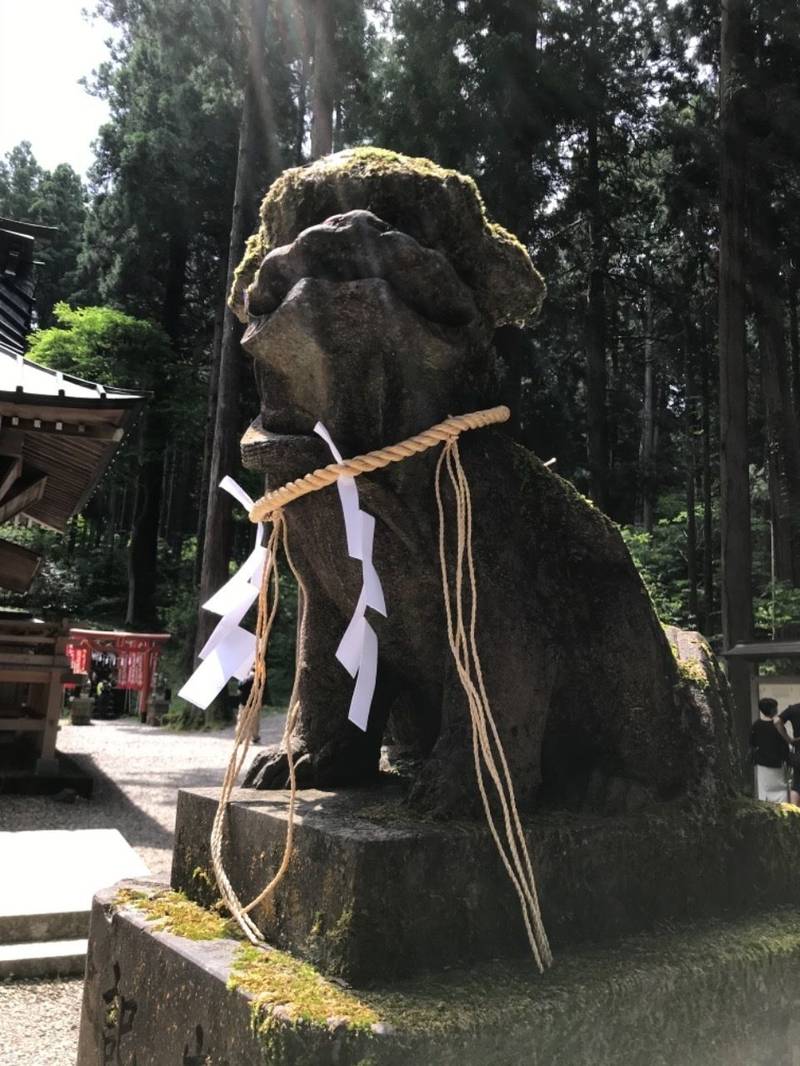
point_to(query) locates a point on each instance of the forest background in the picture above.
(646, 151)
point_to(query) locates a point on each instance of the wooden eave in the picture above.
(67, 430)
(764, 649)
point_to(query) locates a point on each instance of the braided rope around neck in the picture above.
(488, 753)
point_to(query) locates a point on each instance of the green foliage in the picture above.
(660, 558)
(102, 344)
(776, 608)
(83, 573)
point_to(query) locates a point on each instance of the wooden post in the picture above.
(147, 676)
(47, 762)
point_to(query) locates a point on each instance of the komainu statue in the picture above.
(371, 292)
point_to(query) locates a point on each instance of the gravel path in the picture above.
(137, 771)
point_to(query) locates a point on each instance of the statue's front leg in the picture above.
(329, 750)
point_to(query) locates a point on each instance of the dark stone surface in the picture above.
(713, 996)
(375, 321)
(374, 893)
(18, 773)
(159, 1000)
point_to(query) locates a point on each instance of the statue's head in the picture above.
(371, 291)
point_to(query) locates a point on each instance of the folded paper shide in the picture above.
(230, 651)
(358, 648)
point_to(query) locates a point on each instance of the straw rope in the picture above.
(441, 433)
(488, 754)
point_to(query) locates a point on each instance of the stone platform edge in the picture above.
(703, 995)
(373, 892)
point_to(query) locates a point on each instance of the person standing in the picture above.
(770, 752)
(791, 716)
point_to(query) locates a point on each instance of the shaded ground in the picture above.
(137, 772)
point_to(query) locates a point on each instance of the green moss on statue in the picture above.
(442, 209)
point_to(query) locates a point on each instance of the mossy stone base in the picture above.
(374, 893)
(704, 995)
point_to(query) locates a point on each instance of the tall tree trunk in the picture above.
(708, 523)
(647, 445)
(167, 485)
(324, 79)
(211, 415)
(302, 103)
(256, 139)
(794, 337)
(143, 549)
(690, 429)
(595, 333)
(736, 558)
(783, 440)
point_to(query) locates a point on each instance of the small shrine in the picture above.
(58, 434)
(133, 660)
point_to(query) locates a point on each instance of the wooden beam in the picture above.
(23, 724)
(57, 424)
(25, 677)
(10, 469)
(18, 566)
(54, 409)
(26, 490)
(16, 658)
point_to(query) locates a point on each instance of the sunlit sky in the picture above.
(46, 46)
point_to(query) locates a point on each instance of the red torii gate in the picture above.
(137, 657)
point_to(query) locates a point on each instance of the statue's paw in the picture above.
(270, 769)
(335, 765)
(446, 791)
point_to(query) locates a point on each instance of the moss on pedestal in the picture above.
(172, 912)
(680, 997)
(287, 990)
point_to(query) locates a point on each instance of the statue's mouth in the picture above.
(282, 456)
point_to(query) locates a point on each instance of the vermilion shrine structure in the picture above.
(136, 656)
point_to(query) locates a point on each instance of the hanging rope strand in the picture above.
(241, 743)
(518, 832)
(513, 852)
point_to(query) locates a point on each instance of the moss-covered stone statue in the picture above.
(371, 293)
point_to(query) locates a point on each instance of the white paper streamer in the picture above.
(358, 648)
(233, 657)
(348, 494)
(230, 651)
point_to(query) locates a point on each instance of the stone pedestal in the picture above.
(374, 894)
(676, 942)
(717, 995)
(156, 709)
(80, 711)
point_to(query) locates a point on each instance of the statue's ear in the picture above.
(509, 287)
